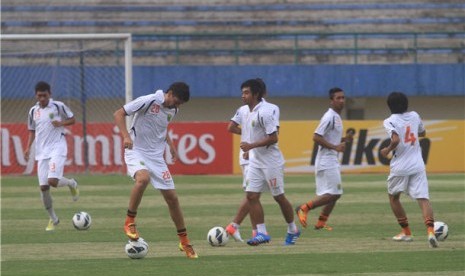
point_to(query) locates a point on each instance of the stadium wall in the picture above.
(282, 81)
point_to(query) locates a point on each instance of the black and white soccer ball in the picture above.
(217, 236)
(441, 230)
(82, 220)
(137, 249)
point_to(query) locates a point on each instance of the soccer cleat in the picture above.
(51, 225)
(189, 250)
(324, 226)
(74, 190)
(402, 237)
(433, 242)
(302, 215)
(234, 232)
(131, 231)
(259, 239)
(292, 238)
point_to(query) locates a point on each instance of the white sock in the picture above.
(261, 228)
(47, 200)
(65, 182)
(291, 228)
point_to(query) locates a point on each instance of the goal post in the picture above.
(91, 73)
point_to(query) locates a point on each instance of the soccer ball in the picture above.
(217, 236)
(137, 249)
(441, 230)
(82, 221)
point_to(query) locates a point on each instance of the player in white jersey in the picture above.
(266, 164)
(407, 168)
(145, 145)
(237, 126)
(46, 122)
(328, 136)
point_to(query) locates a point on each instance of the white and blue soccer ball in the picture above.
(441, 230)
(217, 236)
(82, 220)
(137, 249)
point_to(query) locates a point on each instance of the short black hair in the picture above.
(180, 90)
(42, 86)
(255, 86)
(262, 83)
(397, 102)
(333, 91)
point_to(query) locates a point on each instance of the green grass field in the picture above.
(359, 244)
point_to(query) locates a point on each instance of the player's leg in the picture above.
(56, 178)
(141, 180)
(418, 189)
(331, 187)
(242, 211)
(397, 185)
(42, 174)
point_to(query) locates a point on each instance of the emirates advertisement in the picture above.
(203, 148)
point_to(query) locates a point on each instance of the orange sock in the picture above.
(429, 222)
(403, 222)
(182, 234)
(307, 206)
(130, 217)
(321, 220)
(407, 231)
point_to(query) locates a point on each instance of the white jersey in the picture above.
(262, 123)
(241, 117)
(150, 123)
(330, 128)
(49, 140)
(407, 159)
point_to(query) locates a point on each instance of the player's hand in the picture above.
(57, 123)
(127, 142)
(174, 154)
(350, 134)
(245, 146)
(341, 147)
(26, 154)
(245, 155)
(384, 152)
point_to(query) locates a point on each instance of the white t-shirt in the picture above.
(49, 140)
(407, 159)
(150, 123)
(240, 118)
(262, 123)
(330, 128)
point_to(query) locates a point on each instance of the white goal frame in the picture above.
(127, 37)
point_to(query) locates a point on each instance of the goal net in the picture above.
(91, 74)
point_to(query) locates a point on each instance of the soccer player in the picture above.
(144, 148)
(328, 136)
(407, 169)
(237, 126)
(266, 164)
(46, 123)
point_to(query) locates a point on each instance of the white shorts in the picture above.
(50, 168)
(245, 169)
(415, 185)
(261, 180)
(160, 176)
(328, 182)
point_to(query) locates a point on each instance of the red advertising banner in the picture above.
(203, 148)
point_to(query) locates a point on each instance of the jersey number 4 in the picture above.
(409, 137)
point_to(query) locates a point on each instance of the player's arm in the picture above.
(233, 127)
(120, 121)
(422, 134)
(30, 140)
(268, 140)
(320, 140)
(66, 122)
(395, 140)
(173, 151)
